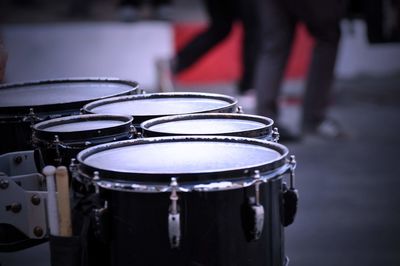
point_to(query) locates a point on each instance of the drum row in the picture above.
(161, 178)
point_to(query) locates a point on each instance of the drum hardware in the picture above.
(32, 118)
(239, 110)
(96, 178)
(174, 227)
(20, 163)
(275, 134)
(100, 215)
(80, 184)
(24, 209)
(257, 210)
(56, 143)
(182, 187)
(133, 132)
(290, 195)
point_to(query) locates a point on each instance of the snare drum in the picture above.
(240, 125)
(61, 139)
(192, 200)
(147, 106)
(23, 104)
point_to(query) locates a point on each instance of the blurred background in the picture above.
(349, 210)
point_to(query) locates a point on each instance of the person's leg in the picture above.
(247, 12)
(3, 60)
(221, 19)
(322, 20)
(277, 28)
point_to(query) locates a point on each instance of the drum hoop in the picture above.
(230, 107)
(42, 134)
(199, 177)
(265, 131)
(228, 184)
(16, 111)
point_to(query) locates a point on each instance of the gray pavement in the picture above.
(349, 210)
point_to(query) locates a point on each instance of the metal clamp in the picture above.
(22, 202)
(96, 178)
(133, 132)
(275, 134)
(174, 230)
(257, 209)
(31, 117)
(290, 195)
(57, 144)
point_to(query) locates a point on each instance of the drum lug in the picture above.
(174, 230)
(275, 134)
(290, 196)
(96, 178)
(257, 208)
(78, 184)
(133, 132)
(101, 223)
(239, 110)
(31, 117)
(254, 212)
(57, 145)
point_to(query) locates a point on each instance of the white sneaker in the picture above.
(331, 129)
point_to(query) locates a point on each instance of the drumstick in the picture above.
(52, 214)
(64, 211)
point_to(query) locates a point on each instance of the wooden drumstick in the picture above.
(64, 210)
(52, 214)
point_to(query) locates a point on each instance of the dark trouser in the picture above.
(222, 15)
(278, 21)
(137, 3)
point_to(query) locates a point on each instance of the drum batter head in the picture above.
(147, 106)
(81, 127)
(241, 125)
(45, 96)
(189, 158)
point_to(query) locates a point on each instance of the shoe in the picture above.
(328, 128)
(165, 79)
(247, 100)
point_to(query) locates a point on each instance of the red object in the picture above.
(222, 63)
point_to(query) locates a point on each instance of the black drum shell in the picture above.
(212, 222)
(72, 142)
(212, 232)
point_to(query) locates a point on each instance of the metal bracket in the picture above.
(257, 209)
(31, 117)
(275, 134)
(18, 163)
(21, 208)
(174, 230)
(290, 196)
(57, 144)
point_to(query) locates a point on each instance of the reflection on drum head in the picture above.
(160, 106)
(207, 126)
(59, 93)
(84, 125)
(181, 157)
